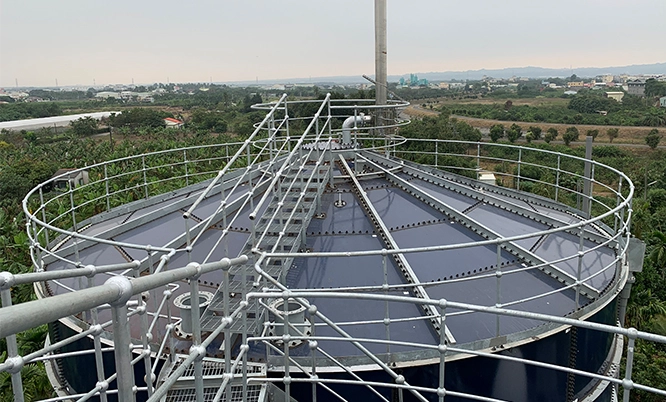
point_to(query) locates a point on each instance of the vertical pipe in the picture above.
(74, 225)
(286, 337)
(557, 178)
(42, 207)
(196, 337)
(581, 244)
(478, 160)
(380, 52)
(106, 187)
(145, 178)
(187, 175)
(498, 296)
(99, 362)
(441, 390)
(627, 383)
(520, 158)
(12, 350)
(355, 129)
(387, 314)
(587, 184)
(146, 347)
(617, 204)
(227, 328)
(121, 351)
(589, 194)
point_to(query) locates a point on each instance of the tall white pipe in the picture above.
(380, 52)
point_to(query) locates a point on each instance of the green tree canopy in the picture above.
(653, 138)
(496, 132)
(84, 126)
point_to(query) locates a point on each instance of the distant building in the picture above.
(575, 84)
(636, 88)
(107, 94)
(64, 179)
(173, 123)
(618, 95)
(608, 78)
(145, 97)
(443, 85)
(570, 92)
(662, 101)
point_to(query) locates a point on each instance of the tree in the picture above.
(589, 103)
(551, 134)
(20, 177)
(508, 105)
(571, 134)
(612, 134)
(84, 126)
(514, 132)
(209, 120)
(536, 132)
(654, 88)
(496, 132)
(654, 119)
(653, 138)
(592, 133)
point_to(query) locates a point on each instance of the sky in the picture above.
(79, 42)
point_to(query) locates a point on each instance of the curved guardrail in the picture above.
(601, 200)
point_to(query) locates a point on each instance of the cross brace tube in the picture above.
(419, 291)
(486, 232)
(488, 198)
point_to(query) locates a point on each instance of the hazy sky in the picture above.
(78, 41)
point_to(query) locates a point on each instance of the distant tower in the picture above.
(16, 80)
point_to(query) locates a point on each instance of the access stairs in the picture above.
(278, 229)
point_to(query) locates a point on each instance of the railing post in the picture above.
(627, 383)
(313, 351)
(442, 348)
(42, 207)
(520, 158)
(122, 340)
(387, 315)
(437, 155)
(557, 178)
(196, 336)
(617, 204)
(74, 225)
(185, 162)
(286, 338)
(149, 378)
(227, 328)
(587, 173)
(498, 295)
(12, 350)
(355, 127)
(581, 254)
(589, 194)
(97, 343)
(478, 160)
(145, 177)
(106, 188)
